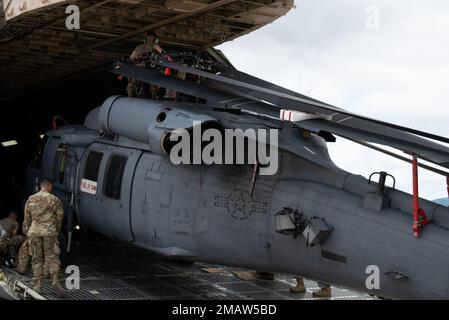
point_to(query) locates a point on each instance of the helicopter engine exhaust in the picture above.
(147, 121)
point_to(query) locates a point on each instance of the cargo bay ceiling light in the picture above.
(9, 143)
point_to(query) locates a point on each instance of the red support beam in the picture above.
(419, 216)
(54, 123)
(447, 184)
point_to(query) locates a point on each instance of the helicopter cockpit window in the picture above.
(90, 175)
(59, 164)
(92, 167)
(114, 176)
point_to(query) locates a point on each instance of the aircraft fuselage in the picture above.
(207, 213)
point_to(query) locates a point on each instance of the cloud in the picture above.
(398, 73)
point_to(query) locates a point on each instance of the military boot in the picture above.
(300, 287)
(324, 292)
(59, 291)
(38, 286)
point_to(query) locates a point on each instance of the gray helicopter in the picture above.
(115, 175)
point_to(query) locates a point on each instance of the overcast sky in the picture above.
(395, 68)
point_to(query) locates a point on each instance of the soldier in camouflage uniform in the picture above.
(23, 256)
(135, 88)
(10, 241)
(324, 292)
(3, 244)
(43, 219)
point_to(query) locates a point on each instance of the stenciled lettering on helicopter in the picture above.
(250, 142)
(88, 186)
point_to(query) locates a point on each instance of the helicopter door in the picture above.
(105, 190)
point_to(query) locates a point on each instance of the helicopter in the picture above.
(115, 174)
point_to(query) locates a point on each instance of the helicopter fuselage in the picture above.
(349, 235)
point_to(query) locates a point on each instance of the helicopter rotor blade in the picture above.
(355, 128)
(287, 100)
(214, 97)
